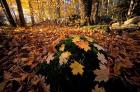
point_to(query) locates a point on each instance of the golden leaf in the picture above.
(75, 39)
(62, 47)
(77, 68)
(98, 89)
(83, 45)
(64, 57)
(102, 74)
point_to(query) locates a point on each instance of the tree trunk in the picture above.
(108, 2)
(132, 6)
(50, 9)
(82, 14)
(20, 11)
(58, 8)
(31, 12)
(94, 11)
(85, 11)
(8, 14)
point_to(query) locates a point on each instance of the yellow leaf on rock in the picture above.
(76, 39)
(64, 57)
(77, 68)
(62, 47)
(83, 45)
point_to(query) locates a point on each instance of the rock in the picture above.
(129, 26)
(115, 25)
(133, 20)
(138, 24)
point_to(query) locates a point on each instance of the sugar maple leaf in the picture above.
(89, 39)
(2, 86)
(98, 47)
(98, 89)
(117, 67)
(77, 68)
(102, 74)
(50, 57)
(101, 57)
(83, 45)
(7, 75)
(64, 57)
(76, 39)
(62, 47)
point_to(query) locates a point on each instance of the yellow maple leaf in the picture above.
(102, 74)
(77, 68)
(62, 47)
(76, 39)
(64, 57)
(83, 45)
(98, 89)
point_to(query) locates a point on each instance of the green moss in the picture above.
(82, 50)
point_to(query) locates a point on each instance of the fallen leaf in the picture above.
(102, 58)
(76, 39)
(102, 74)
(83, 45)
(64, 57)
(2, 86)
(98, 47)
(77, 68)
(98, 89)
(50, 57)
(62, 47)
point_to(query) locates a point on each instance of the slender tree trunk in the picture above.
(58, 8)
(31, 12)
(20, 11)
(131, 8)
(40, 12)
(94, 11)
(8, 14)
(50, 8)
(82, 9)
(108, 2)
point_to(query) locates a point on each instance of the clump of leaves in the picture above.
(78, 65)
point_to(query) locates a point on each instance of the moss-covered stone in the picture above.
(78, 65)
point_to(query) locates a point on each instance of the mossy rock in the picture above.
(103, 28)
(78, 65)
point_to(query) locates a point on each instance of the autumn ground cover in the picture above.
(21, 49)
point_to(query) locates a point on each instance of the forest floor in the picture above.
(21, 49)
